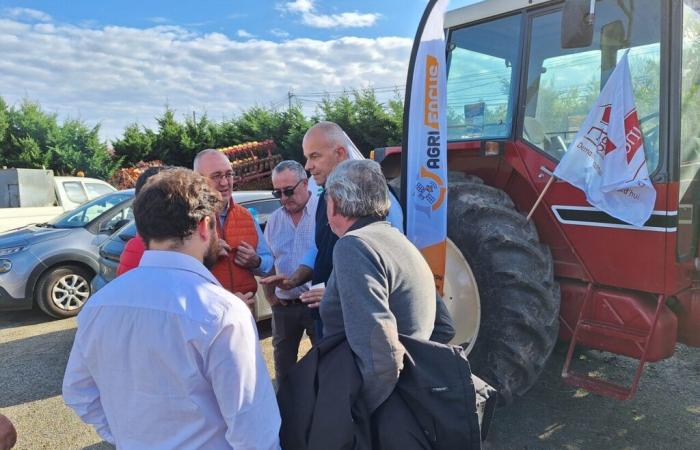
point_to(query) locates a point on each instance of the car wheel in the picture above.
(62, 291)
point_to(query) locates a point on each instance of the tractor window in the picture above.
(689, 200)
(563, 84)
(481, 79)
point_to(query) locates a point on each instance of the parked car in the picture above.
(30, 196)
(51, 264)
(74, 191)
(260, 203)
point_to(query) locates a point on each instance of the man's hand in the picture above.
(224, 248)
(248, 298)
(8, 434)
(246, 256)
(312, 298)
(280, 281)
(272, 299)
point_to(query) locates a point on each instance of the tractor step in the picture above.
(597, 385)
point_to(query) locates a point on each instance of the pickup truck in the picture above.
(35, 196)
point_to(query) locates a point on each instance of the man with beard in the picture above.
(164, 357)
(290, 234)
(243, 251)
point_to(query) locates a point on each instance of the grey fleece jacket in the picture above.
(380, 286)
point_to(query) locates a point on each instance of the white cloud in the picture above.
(27, 14)
(277, 32)
(310, 17)
(244, 34)
(300, 6)
(343, 20)
(117, 75)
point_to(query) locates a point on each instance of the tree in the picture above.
(293, 126)
(168, 141)
(29, 134)
(4, 125)
(367, 122)
(31, 138)
(135, 145)
(75, 148)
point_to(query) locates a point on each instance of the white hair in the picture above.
(359, 189)
(292, 165)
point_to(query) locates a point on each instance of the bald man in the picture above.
(244, 252)
(325, 146)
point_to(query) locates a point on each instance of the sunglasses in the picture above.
(287, 192)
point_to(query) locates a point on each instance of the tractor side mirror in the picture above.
(577, 21)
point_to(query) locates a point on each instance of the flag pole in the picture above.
(539, 199)
(407, 112)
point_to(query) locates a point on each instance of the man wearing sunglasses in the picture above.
(290, 235)
(243, 251)
(325, 146)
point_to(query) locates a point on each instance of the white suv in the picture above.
(74, 191)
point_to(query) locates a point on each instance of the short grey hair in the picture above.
(359, 189)
(203, 153)
(292, 165)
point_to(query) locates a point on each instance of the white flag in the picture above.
(425, 141)
(606, 159)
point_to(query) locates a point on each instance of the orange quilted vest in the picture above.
(239, 226)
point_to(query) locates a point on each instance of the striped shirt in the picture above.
(289, 243)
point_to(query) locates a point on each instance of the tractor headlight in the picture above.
(11, 250)
(5, 265)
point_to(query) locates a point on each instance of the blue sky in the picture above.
(261, 18)
(117, 62)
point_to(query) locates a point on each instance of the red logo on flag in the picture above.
(633, 135)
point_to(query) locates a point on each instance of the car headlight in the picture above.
(11, 250)
(5, 265)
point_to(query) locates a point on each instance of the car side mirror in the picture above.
(577, 19)
(107, 228)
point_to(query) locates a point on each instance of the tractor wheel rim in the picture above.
(70, 292)
(461, 296)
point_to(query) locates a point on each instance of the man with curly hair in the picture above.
(164, 356)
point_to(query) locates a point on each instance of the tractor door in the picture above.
(689, 160)
(560, 87)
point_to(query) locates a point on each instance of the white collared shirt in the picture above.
(165, 358)
(289, 243)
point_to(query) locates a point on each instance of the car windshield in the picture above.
(87, 212)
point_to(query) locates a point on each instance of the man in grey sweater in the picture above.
(380, 286)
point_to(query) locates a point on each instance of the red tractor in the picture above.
(522, 76)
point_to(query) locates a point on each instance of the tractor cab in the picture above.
(522, 77)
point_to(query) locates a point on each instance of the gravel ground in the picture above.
(664, 415)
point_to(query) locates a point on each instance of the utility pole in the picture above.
(290, 95)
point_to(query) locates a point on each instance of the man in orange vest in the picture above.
(244, 252)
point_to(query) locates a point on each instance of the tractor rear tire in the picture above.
(515, 276)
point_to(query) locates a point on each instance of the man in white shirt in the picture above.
(164, 357)
(290, 233)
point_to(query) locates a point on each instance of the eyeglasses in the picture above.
(287, 192)
(217, 177)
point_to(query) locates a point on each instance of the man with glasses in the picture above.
(290, 235)
(243, 251)
(325, 146)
